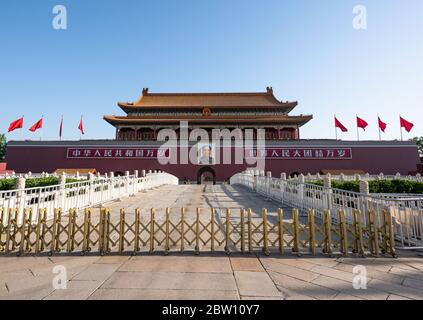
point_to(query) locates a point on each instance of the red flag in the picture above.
(339, 125)
(382, 125)
(37, 125)
(61, 128)
(406, 125)
(81, 127)
(362, 123)
(17, 124)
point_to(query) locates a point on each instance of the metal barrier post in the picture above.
(87, 231)
(54, 233)
(242, 230)
(327, 227)
(122, 230)
(182, 228)
(212, 229)
(197, 232)
(227, 233)
(383, 227)
(152, 230)
(296, 232)
(38, 232)
(70, 233)
(312, 234)
(250, 233)
(167, 232)
(391, 235)
(376, 232)
(265, 235)
(360, 233)
(137, 231)
(280, 230)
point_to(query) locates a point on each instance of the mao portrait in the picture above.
(206, 154)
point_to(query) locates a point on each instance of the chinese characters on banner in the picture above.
(116, 153)
(300, 153)
(268, 153)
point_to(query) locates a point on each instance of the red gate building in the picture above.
(136, 145)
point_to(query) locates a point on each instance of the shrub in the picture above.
(379, 186)
(9, 184)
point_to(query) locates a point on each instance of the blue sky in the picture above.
(306, 50)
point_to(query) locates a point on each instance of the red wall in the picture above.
(373, 158)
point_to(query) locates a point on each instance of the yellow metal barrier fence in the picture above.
(200, 231)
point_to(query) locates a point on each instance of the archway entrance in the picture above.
(206, 175)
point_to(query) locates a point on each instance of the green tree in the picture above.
(3, 143)
(419, 142)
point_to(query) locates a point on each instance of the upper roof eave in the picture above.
(223, 100)
(298, 120)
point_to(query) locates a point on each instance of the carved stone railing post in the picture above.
(62, 191)
(301, 181)
(364, 189)
(268, 184)
(20, 198)
(127, 182)
(111, 184)
(91, 188)
(327, 185)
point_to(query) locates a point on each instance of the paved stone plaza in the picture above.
(208, 276)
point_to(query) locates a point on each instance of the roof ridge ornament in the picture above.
(269, 90)
(144, 91)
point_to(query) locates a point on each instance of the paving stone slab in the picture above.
(372, 273)
(413, 274)
(113, 259)
(288, 270)
(28, 288)
(158, 294)
(295, 289)
(97, 272)
(347, 288)
(171, 281)
(262, 298)
(178, 264)
(402, 291)
(255, 284)
(76, 290)
(246, 264)
(395, 297)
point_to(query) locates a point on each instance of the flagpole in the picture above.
(61, 129)
(358, 134)
(42, 128)
(80, 135)
(401, 133)
(22, 128)
(336, 129)
(378, 125)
